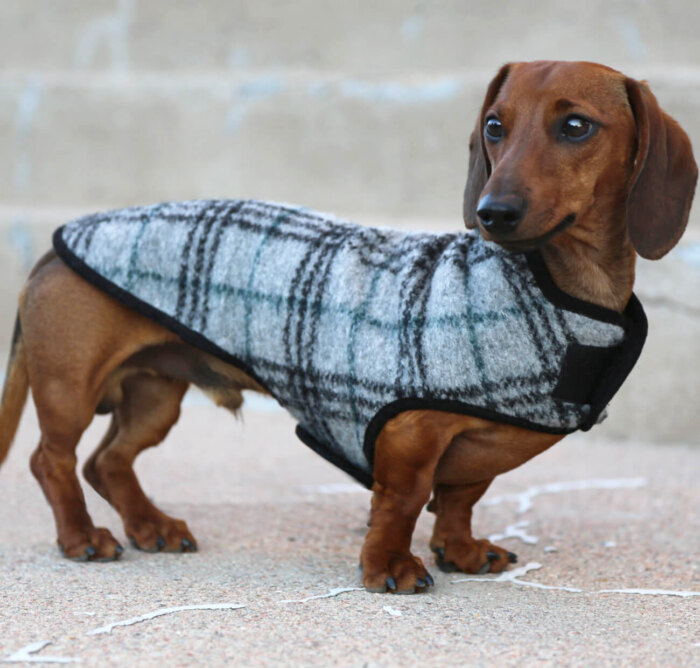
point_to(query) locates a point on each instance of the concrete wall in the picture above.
(361, 108)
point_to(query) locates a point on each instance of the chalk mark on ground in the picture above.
(27, 655)
(164, 611)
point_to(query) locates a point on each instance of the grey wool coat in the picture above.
(347, 326)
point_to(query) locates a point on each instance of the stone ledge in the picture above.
(396, 147)
(110, 35)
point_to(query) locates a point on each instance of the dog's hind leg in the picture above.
(149, 406)
(53, 465)
(74, 337)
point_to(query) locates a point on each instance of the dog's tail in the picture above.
(14, 394)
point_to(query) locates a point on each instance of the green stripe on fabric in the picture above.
(115, 275)
(248, 301)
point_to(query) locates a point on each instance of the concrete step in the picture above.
(659, 402)
(380, 146)
(327, 141)
(358, 37)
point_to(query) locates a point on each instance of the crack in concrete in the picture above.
(331, 594)
(27, 655)
(513, 576)
(164, 611)
(516, 530)
(651, 592)
(525, 499)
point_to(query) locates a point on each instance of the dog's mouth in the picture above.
(522, 245)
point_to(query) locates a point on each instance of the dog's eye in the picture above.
(577, 128)
(493, 129)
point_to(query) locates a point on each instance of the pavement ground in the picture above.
(279, 528)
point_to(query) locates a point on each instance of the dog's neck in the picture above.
(594, 261)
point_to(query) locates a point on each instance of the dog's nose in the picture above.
(501, 215)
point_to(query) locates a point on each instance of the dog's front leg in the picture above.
(406, 456)
(480, 451)
(455, 547)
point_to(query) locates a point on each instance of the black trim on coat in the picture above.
(631, 348)
(554, 294)
(361, 475)
(633, 320)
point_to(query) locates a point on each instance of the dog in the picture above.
(574, 170)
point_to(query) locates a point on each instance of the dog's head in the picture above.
(559, 147)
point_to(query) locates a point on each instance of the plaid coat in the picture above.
(347, 326)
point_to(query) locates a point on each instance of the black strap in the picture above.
(622, 363)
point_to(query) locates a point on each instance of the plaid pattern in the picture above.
(338, 321)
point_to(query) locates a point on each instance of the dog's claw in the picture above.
(118, 550)
(389, 583)
(90, 552)
(420, 582)
(440, 551)
(160, 543)
(429, 579)
(484, 569)
(188, 545)
(512, 557)
(136, 546)
(444, 566)
(493, 556)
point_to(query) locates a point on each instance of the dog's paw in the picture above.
(160, 533)
(95, 544)
(395, 573)
(472, 556)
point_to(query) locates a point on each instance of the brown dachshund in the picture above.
(572, 159)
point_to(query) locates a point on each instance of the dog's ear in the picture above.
(663, 177)
(479, 165)
(477, 176)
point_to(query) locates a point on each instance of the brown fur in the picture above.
(81, 352)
